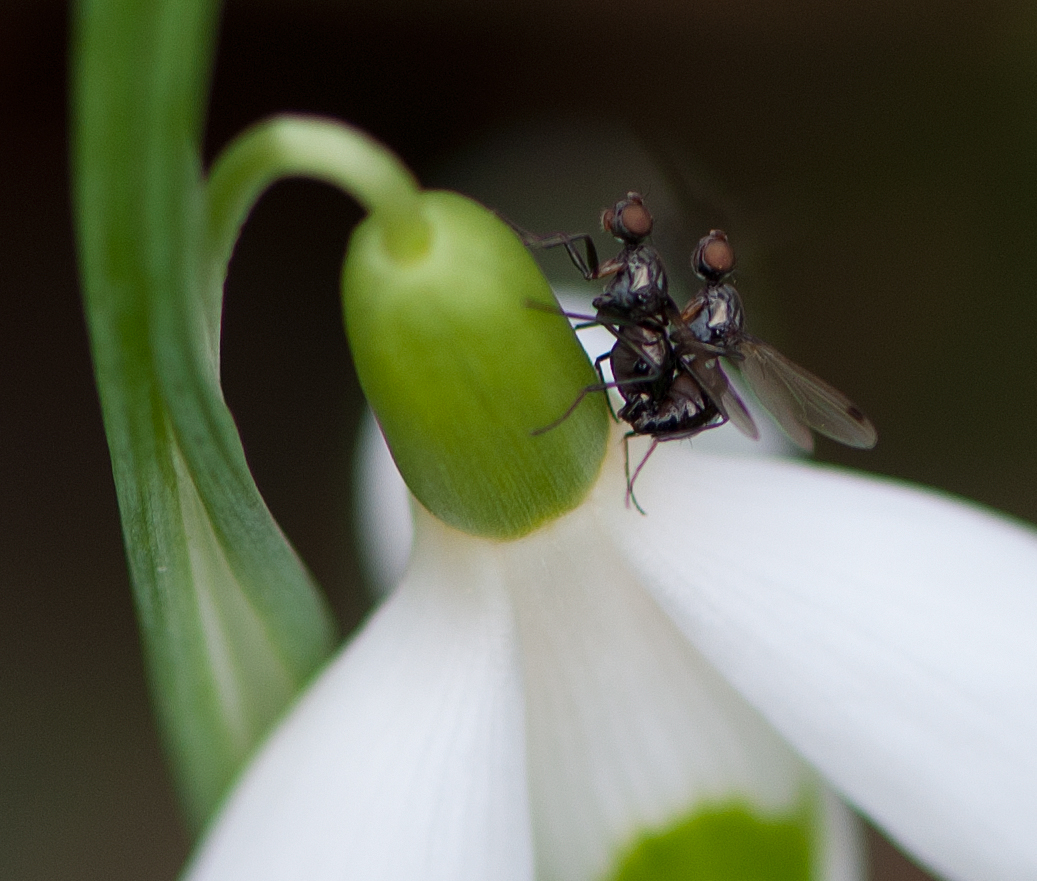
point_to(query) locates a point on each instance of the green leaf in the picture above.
(233, 625)
(728, 842)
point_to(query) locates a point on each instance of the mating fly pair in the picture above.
(665, 359)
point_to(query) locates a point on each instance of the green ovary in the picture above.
(461, 370)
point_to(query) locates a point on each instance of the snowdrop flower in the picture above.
(559, 687)
(596, 697)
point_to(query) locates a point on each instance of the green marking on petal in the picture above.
(728, 842)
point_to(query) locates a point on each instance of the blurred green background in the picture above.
(874, 164)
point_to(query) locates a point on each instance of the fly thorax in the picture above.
(725, 312)
(640, 277)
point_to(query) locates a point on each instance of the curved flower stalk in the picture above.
(542, 703)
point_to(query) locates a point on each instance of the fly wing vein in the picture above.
(799, 401)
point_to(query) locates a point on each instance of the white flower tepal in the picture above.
(527, 709)
(887, 632)
(514, 710)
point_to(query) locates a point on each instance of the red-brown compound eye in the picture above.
(608, 219)
(714, 257)
(636, 220)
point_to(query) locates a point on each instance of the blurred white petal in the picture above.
(406, 759)
(385, 528)
(887, 632)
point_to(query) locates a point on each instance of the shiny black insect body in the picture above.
(663, 398)
(675, 409)
(799, 401)
(665, 361)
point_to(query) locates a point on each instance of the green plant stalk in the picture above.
(232, 623)
(318, 149)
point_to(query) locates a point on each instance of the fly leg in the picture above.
(585, 320)
(588, 263)
(715, 422)
(604, 385)
(626, 468)
(656, 371)
(611, 323)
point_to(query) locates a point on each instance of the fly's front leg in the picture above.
(585, 320)
(586, 263)
(605, 385)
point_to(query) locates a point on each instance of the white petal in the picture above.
(889, 633)
(843, 855)
(629, 729)
(406, 759)
(382, 510)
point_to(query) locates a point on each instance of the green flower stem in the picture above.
(300, 146)
(232, 623)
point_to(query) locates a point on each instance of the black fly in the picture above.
(798, 400)
(665, 359)
(667, 395)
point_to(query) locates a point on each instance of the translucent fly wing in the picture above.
(709, 374)
(799, 401)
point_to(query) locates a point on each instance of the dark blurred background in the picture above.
(874, 162)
